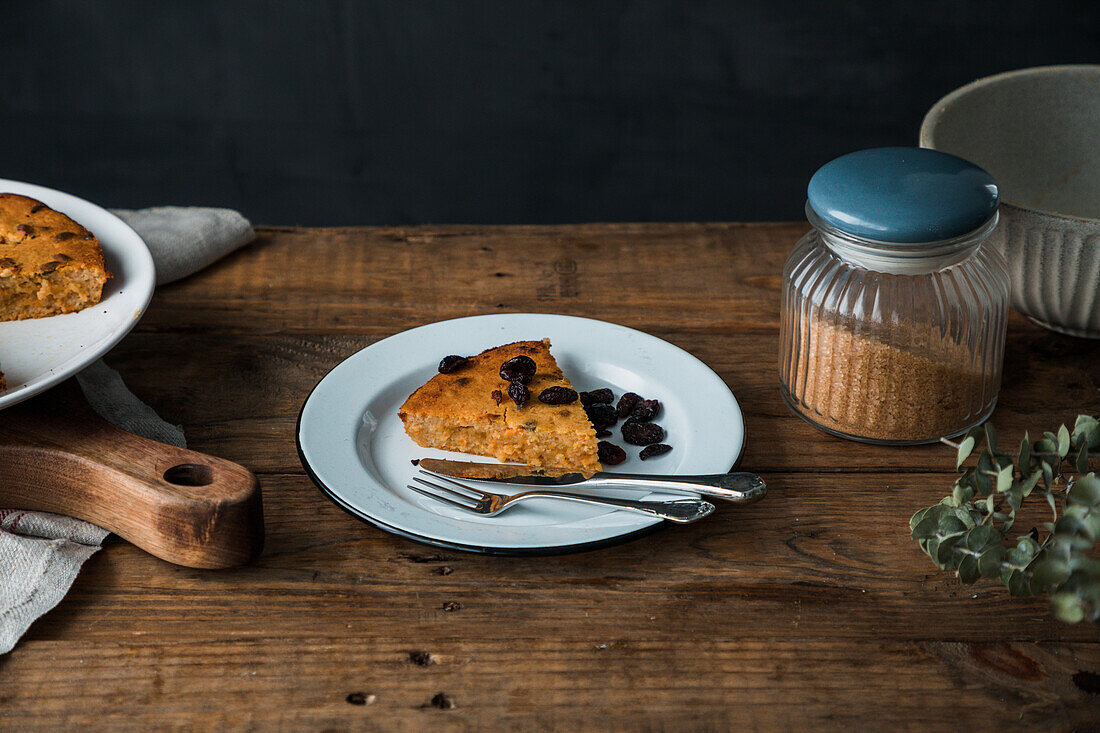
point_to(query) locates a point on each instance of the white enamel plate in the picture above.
(38, 353)
(354, 447)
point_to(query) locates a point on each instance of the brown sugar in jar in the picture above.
(887, 335)
(859, 384)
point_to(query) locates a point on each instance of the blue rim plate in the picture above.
(353, 446)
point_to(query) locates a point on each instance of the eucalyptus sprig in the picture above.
(969, 531)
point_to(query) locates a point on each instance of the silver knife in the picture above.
(736, 487)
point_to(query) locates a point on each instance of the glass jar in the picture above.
(893, 312)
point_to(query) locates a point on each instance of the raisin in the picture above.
(62, 236)
(518, 369)
(557, 395)
(645, 410)
(497, 396)
(519, 393)
(443, 702)
(601, 415)
(610, 453)
(626, 403)
(597, 397)
(603, 433)
(642, 433)
(654, 449)
(452, 363)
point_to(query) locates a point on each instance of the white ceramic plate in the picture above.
(354, 447)
(38, 353)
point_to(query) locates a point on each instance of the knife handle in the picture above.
(736, 487)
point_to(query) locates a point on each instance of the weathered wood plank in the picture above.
(538, 683)
(821, 557)
(379, 281)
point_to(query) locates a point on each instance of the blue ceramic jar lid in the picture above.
(903, 195)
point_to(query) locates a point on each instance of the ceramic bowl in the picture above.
(1037, 131)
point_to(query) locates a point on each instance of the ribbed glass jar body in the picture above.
(902, 356)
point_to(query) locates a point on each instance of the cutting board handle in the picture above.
(191, 509)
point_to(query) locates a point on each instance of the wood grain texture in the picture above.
(809, 609)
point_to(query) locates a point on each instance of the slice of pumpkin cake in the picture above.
(532, 417)
(49, 264)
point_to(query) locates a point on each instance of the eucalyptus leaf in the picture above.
(1019, 584)
(1082, 462)
(1030, 482)
(1004, 478)
(1024, 461)
(1046, 445)
(1050, 572)
(990, 436)
(1086, 489)
(960, 495)
(1067, 607)
(1015, 496)
(965, 448)
(945, 552)
(1086, 432)
(949, 524)
(1027, 549)
(1063, 441)
(989, 564)
(965, 517)
(968, 569)
(1078, 543)
(926, 527)
(981, 537)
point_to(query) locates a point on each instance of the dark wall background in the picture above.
(410, 111)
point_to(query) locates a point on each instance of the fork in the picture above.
(489, 504)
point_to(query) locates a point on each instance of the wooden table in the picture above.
(811, 608)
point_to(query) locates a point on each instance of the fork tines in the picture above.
(465, 496)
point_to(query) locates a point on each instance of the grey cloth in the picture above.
(108, 396)
(185, 239)
(40, 553)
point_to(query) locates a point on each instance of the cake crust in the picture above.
(457, 411)
(49, 264)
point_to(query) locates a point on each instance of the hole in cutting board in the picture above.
(190, 474)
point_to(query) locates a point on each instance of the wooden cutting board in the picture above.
(57, 455)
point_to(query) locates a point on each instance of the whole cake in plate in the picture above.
(471, 410)
(49, 264)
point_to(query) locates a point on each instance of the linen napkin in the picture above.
(41, 553)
